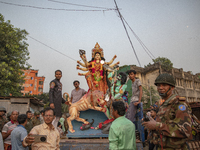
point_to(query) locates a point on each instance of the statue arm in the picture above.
(81, 63)
(112, 65)
(110, 62)
(83, 69)
(83, 57)
(82, 74)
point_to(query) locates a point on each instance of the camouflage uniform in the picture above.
(29, 125)
(173, 127)
(36, 121)
(2, 122)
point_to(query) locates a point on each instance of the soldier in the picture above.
(36, 119)
(172, 126)
(2, 122)
(2, 119)
(29, 124)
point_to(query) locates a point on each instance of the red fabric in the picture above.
(105, 122)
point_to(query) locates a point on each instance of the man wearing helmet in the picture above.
(36, 119)
(2, 122)
(2, 119)
(172, 126)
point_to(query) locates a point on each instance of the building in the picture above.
(33, 84)
(187, 84)
(22, 104)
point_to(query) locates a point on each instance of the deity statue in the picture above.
(117, 89)
(96, 73)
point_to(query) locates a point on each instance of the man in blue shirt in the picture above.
(19, 133)
(122, 130)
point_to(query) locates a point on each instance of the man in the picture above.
(2, 122)
(153, 114)
(136, 95)
(122, 130)
(77, 93)
(41, 116)
(29, 124)
(36, 119)
(2, 119)
(55, 96)
(8, 128)
(19, 133)
(53, 136)
(172, 127)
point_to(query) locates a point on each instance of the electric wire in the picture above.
(36, 7)
(81, 5)
(127, 33)
(51, 48)
(140, 41)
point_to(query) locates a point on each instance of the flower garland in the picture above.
(94, 68)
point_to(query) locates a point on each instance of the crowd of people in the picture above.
(169, 124)
(16, 131)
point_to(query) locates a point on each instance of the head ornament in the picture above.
(97, 48)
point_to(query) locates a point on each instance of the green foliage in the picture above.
(13, 56)
(44, 97)
(166, 64)
(146, 96)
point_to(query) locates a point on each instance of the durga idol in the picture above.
(96, 73)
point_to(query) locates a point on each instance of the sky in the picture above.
(168, 28)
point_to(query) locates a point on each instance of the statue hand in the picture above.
(115, 57)
(77, 67)
(80, 74)
(118, 62)
(78, 61)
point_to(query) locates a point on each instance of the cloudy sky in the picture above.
(168, 28)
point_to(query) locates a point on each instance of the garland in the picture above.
(95, 78)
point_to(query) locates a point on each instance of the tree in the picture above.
(13, 56)
(166, 64)
(44, 97)
(147, 94)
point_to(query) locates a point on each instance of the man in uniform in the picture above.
(36, 119)
(172, 126)
(55, 96)
(2, 122)
(29, 124)
(2, 119)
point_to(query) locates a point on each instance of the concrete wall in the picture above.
(21, 104)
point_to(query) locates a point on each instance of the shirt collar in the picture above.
(47, 127)
(21, 126)
(13, 122)
(119, 118)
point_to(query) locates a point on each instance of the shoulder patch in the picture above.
(182, 107)
(52, 85)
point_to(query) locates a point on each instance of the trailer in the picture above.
(92, 139)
